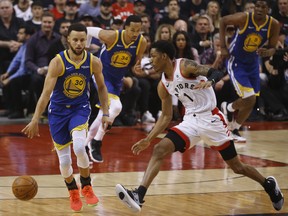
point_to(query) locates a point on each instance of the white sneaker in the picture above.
(129, 197)
(148, 118)
(237, 137)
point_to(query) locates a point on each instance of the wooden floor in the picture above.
(194, 183)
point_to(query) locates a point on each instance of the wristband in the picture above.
(107, 115)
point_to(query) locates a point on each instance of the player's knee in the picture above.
(115, 108)
(159, 151)
(65, 165)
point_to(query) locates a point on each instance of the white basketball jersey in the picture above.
(194, 100)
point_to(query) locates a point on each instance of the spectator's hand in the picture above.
(4, 76)
(140, 146)
(285, 57)
(206, 43)
(270, 68)
(31, 129)
(42, 70)
(14, 46)
(224, 52)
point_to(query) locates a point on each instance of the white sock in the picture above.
(236, 125)
(230, 108)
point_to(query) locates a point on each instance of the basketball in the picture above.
(24, 187)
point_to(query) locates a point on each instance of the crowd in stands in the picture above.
(33, 32)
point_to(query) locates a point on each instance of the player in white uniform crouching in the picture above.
(192, 84)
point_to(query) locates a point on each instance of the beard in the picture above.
(78, 53)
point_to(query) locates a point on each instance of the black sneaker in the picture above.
(273, 190)
(95, 151)
(129, 198)
(226, 112)
(90, 161)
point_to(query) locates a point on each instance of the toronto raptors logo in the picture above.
(252, 42)
(74, 85)
(121, 59)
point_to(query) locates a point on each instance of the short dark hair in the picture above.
(79, 27)
(132, 18)
(29, 30)
(164, 47)
(268, 2)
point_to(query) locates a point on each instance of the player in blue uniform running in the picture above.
(122, 51)
(66, 86)
(253, 31)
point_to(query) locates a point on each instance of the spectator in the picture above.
(156, 10)
(17, 77)
(117, 24)
(121, 9)
(201, 38)
(91, 7)
(214, 12)
(139, 7)
(195, 9)
(58, 9)
(147, 27)
(105, 18)
(281, 14)
(70, 14)
(249, 7)
(173, 13)
(36, 53)
(23, 9)
(37, 13)
(9, 27)
(61, 44)
(165, 32)
(232, 6)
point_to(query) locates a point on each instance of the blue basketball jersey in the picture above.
(72, 86)
(117, 60)
(246, 41)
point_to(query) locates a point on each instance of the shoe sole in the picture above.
(77, 211)
(239, 141)
(126, 199)
(277, 187)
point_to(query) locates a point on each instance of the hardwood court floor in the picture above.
(194, 183)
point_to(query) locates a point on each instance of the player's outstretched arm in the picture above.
(161, 123)
(102, 90)
(54, 69)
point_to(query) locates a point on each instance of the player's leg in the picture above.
(96, 143)
(78, 138)
(134, 199)
(66, 170)
(269, 184)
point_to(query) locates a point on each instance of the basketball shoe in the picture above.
(273, 190)
(129, 198)
(95, 151)
(89, 195)
(237, 137)
(75, 201)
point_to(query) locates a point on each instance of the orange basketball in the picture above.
(24, 187)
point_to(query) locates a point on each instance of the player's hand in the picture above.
(31, 129)
(140, 146)
(138, 70)
(106, 123)
(203, 85)
(224, 52)
(264, 52)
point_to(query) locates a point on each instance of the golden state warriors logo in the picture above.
(121, 59)
(74, 85)
(252, 42)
